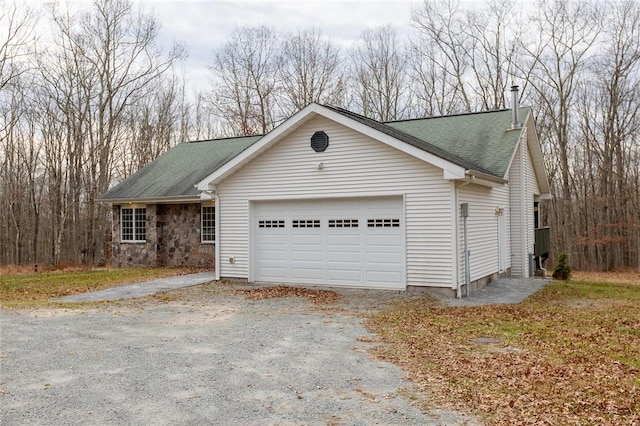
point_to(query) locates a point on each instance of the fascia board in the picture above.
(537, 157)
(515, 150)
(484, 179)
(153, 200)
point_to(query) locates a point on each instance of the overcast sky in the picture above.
(204, 25)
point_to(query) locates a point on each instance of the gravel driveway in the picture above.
(208, 356)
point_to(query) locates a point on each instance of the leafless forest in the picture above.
(88, 97)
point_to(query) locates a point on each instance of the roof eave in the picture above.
(484, 179)
(153, 200)
(537, 156)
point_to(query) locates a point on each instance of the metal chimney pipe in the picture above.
(515, 106)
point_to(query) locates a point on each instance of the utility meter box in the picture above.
(464, 209)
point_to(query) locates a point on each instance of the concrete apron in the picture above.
(141, 289)
(500, 291)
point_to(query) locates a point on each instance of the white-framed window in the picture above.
(208, 226)
(305, 223)
(271, 223)
(133, 224)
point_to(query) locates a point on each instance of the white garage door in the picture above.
(357, 242)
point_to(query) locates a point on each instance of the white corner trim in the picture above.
(455, 243)
(216, 233)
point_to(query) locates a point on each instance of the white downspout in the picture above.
(457, 213)
(457, 240)
(216, 248)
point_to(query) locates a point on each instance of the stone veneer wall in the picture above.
(173, 239)
(179, 237)
(136, 254)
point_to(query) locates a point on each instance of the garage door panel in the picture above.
(384, 258)
(311, 256)
(376, 277)
(306, 239)
(306, 273)
(344, 240)
(344, 256)
(271, 240)
(272, 273)
(345, 276)
(336, 242)
(271, 256)
(384, 240)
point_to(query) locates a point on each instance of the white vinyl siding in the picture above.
(523, 188)
(519, 265)
(482, 228)
(354, 166)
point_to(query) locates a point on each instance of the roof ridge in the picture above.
(224, 139)
(454, 115)
(348, 112)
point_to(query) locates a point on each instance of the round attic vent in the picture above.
(319, 141)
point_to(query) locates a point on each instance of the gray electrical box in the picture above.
(464, 209)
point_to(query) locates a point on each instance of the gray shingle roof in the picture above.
(175, 172)
(480, 142)
(419, 141)
(483, 140)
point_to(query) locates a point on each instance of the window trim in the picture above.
(133, 221)
(212, 232)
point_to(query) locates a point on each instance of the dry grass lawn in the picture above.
(625, 277)
(567, 355)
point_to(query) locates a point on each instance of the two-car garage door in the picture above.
(357, 242)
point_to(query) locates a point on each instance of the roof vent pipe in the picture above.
(515, 105)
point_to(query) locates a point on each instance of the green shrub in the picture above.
(562, 270)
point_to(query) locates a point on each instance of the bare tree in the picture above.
(204, 120)
(17, 39)
(433, 89)
(463, 60)
(379, 75)
(609, 118)
(153, 126)
(310, 71)
(568, 31)
(245, 81)
(442, 40)
(18, 153)
(492, 54)
(107, 61)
